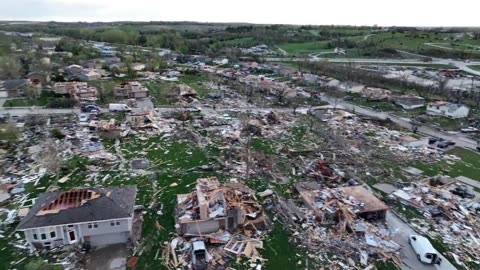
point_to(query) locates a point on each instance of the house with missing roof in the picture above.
(447, 109)
(94, 216)
(409, 102)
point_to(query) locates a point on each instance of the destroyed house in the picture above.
(130, 90)
(214, 206)
(92, 216)
(334, 204)
(77, 90)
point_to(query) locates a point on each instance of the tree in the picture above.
(10, 68)
(9, 133)
(282, 94)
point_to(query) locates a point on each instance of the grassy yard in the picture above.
(447, 123)
(384, 106)
(42, 100)
(475, 67)
(159, 91)
(469, 166)
(171, 161)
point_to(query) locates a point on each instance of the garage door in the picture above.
(108, 239)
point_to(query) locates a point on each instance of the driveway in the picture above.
(113, 257)
(145, 104)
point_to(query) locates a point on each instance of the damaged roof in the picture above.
(80, 205)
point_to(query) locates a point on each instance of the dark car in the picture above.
(89, 108)
(445, 144)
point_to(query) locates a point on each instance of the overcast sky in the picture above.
(345, 12)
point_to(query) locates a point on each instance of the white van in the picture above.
(117, 107)
(426, 253)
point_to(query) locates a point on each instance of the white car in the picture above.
(193, 109)
(469, 129)
(83, 117)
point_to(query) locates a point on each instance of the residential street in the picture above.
(459, 139)
(408, 256)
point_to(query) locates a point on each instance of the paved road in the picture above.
(459, 139)
(407, 254)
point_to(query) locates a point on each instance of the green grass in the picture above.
(159, 91)
(447, 123)
(469, 166)
(171, 161)
(247, 41)
(384, 106)
(42, 100)
(385, 265)
(196, 82)
(305, 48)
(475, 67)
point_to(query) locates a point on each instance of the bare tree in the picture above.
(404, 82)
(442, 82)
(282, 94)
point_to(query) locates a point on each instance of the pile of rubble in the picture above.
(216, 225)
(451, 213)
(377, 136)
(341, 226)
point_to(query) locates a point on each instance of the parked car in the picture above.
(445, 144)
(89, 108)
(469, 130)
(193, 109)
(426, 253)
(83, 117)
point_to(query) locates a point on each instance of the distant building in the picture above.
(38, 77)
(447, 109)
(74, 69)
(409, 102)
(131, 89)
(88, 75)
(14, 88)
(97, 216)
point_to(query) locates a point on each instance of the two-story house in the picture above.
(94, 216)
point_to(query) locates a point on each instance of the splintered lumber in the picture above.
(175, 260)
(158, 226)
